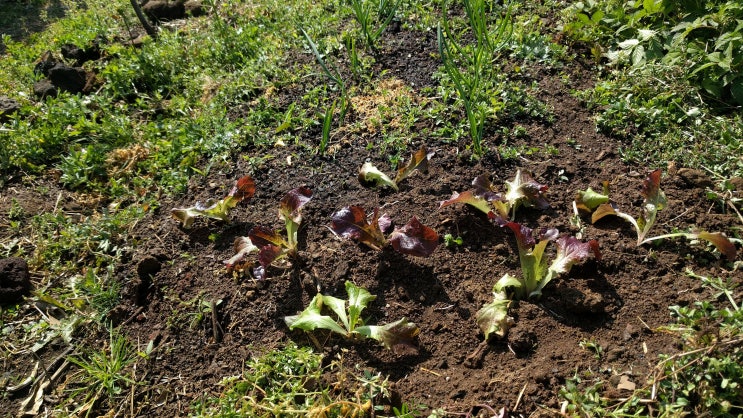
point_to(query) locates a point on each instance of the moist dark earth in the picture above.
(618, 302)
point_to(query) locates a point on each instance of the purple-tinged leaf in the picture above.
(523, 189)
(291, 204)
(419, 161)
(485, 189)
(397, 333)
(385, 223)
(351, 222)
(259, 272)
(721, 242)
(261, 236)
(524, 235)
(549, 234)
(468, 198)
(604, 209)
(268, 254)
(570, 251)
(242, 246)
(414, 239)
(651, 190)
(243, 189)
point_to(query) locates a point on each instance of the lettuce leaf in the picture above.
(351, 222)
(400, 332)
(243, 189)
(493, 317)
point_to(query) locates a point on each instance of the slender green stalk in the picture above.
(476, 63)
(334, 76)
(326, 125)
(362, 10)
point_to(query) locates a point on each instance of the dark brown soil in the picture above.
(617, 302)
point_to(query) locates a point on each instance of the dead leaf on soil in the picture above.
(625, 383)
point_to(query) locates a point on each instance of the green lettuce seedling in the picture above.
(348, 321)
(371, 175)
(655, 201)
(536, 272)
(244, 189)
(268, 243)
(523, 190)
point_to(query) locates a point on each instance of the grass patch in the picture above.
(293, 381)
(702, 379)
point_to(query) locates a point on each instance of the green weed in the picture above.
(702, 379)
(103, 375)
(470, 67)
(373, 17)
(293, 381)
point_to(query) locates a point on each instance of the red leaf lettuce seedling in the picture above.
(413, 239)
(536, 272)
(654, 201)
(244, 189)
(270, 244)
(523, 190)
(348, 321)
(371, 175)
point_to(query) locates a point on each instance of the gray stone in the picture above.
(44, 88)
(7, 107)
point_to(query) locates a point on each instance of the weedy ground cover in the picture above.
(132, 312)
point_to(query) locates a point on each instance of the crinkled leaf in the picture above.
(651, 190)
(414, 239)
(268, 254)
(242, 246)
(720, 241)
(524, 235)
(291, 204)
(505, 282)
(468, 198)
(655, 201)
(531, 252)
(290, 210)
(571, 250)
(262, 236)
(186, 215)
(271, 246)
(419, 161)
(358, 300)
(210, 209)
(588, 200)
(493, 317)
(400, 332)
(524, 190)
(370, 175)
(259, 272)
(244, 188)
(484, 188)
(385, 223)
(311, 318)
(351, 222)
(338, 306)
(604, 209)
